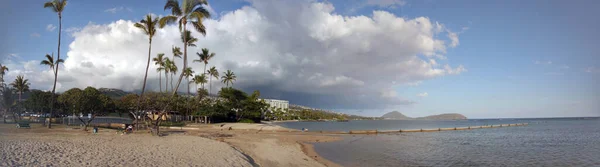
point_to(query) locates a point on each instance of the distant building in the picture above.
(282, 104)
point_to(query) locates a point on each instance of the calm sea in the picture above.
(544, 142)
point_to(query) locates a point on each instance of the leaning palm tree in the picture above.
(160, 61)
(204, 57)
(57, 7)
(212, 72)
(3, 70)
(228, 77)
(20, 85)
(51, 63)
(188, 73)
(148, 26)
(190, 11)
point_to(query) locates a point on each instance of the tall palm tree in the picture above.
(148, 26)
(160, 61)
(228, 77)
(20, 85)
(204, 57)
(190, 11)
(212, 72)
(188, 73)
(57, 7)
(3, 70)
(176, 54)
(51, 63)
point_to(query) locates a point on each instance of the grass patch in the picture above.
(175, 124)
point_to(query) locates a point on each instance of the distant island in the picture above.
(395, 115)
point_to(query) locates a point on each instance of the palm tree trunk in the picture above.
(55, 71)
(159, 82)
(188, 85)
(172, 82)
(184, 61)
(204, 74)
(209, 85)
(166, 82)
(145, 76)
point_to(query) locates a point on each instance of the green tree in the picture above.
(190, 11)
(160, 61)
(52, 64)
(21, 85)
(199, 79)
(228, 77)
(188, 73)
(212, 72)
(3, 70)
(204, 57)
(7, 102)
(58, 7)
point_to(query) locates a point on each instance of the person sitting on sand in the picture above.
(129, 129)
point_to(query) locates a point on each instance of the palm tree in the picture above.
(176, 53)
(20, 85)
(57, 7)
(228, 77)
(173, 69)
(167, 69)
(51, 63)
(191, 11)
(160, 61)
(212, 73)
(148, 26)
(204, 57)
(188, 73)
(199, 79)
(3, 70)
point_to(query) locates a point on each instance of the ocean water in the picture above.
(544, 142)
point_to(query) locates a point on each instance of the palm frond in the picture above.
(190, 5)
(173, 5)
(51, 5)
(142, 27)
(200, 13)
(167, 20)
(60, 61)
(199, 27)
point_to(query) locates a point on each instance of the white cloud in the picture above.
(424, 94)
(592, 70)
(12, 56)
(324, 66)
(50, 27)
(386, 3)
(453, 38)
(34, 35)
(543, 62)
(118, 9)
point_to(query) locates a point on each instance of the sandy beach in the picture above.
(205, 145)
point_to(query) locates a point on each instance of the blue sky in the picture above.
(523, 58)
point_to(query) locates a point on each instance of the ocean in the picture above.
(544, 142)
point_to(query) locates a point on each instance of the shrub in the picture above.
(246, 121)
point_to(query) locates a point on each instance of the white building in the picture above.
(282, 104)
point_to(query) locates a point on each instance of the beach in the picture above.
(203, 145)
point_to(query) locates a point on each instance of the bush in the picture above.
(246, 121)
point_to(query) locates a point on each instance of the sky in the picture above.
(482, 59)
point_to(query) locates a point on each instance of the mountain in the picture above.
(113, 93)
(395, 115)
(399, 116)
(451, 116)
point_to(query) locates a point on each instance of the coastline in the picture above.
(211, 144)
